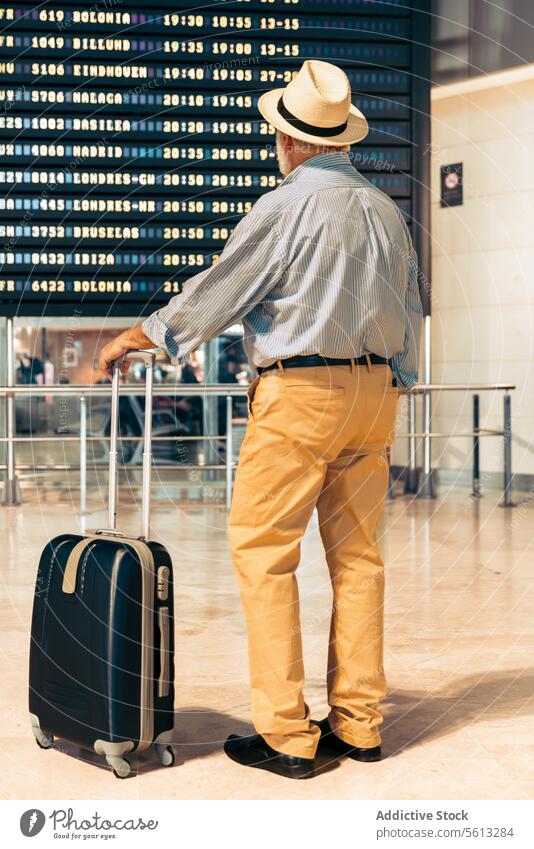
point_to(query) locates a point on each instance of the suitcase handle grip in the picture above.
(164, 665)
(112, 532)
(148, 357)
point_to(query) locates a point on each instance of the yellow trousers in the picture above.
(316, 437)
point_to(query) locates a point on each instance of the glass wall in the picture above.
(64, 351)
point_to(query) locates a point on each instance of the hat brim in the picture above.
(355, 131)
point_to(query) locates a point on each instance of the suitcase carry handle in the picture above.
(164, 656)
(148, 357)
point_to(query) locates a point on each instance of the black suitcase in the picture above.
(102, 638)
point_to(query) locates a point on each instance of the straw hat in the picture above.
(315, 107)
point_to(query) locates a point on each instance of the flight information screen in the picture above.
(131, 144)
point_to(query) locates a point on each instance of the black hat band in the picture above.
(308, 128)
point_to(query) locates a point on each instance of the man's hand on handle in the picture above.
(131, 340)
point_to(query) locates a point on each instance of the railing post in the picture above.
(426, 484)
(476, 446)
(410, 483)
(229, 452)
(83, 455)
(426, 487)
(210, 406)
(507, 452)
(11, 484)
(391, 486)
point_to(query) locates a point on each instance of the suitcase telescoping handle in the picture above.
(148, 357)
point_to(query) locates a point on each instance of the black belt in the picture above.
(312, 360)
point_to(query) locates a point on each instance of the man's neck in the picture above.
(306, 158)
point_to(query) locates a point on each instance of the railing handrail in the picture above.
(87, 390)
(83, 392)
(421, 388)
(78, 390)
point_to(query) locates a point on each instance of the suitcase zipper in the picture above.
(146, 720)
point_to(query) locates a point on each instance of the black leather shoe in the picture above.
(330, 741)
(254, 751)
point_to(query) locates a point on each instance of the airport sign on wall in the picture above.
(452, 187)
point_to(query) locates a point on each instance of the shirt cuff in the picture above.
(158, 332)
(406, 381)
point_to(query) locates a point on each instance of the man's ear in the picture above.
(286, 141)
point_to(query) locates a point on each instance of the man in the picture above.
(324, 277)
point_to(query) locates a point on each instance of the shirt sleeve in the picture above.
(250, 265)
(405, 364)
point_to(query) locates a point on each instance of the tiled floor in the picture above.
(459, 654)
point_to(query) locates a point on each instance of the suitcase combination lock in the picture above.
(163, 583)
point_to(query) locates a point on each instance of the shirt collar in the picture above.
(323, 162)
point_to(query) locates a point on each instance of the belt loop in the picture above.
(368, 361)
(279, 365)
(352, 365)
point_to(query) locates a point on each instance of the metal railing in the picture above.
(412, 483)
(424, 487)
(12, 489)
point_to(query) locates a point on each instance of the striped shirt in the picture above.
(323, 264)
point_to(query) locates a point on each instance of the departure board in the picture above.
(131, 144)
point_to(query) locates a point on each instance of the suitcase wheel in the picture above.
(120, 766)
(44, 741)
(165, 754)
